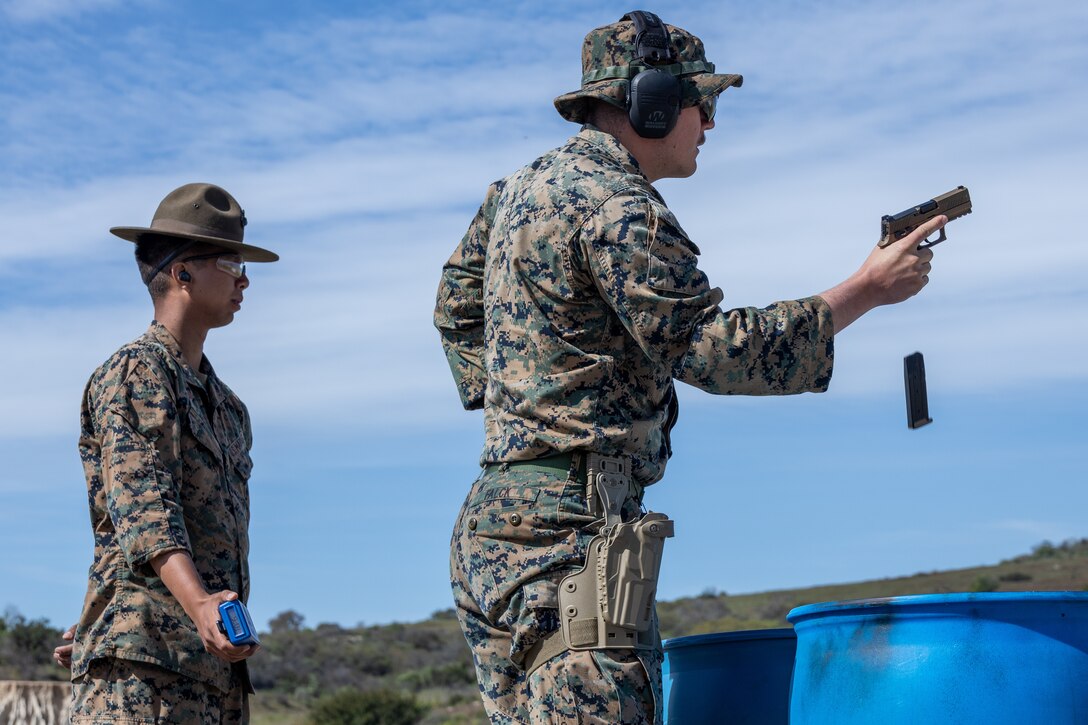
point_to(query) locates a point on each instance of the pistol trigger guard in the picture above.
(926, 244)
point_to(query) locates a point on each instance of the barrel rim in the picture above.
(883, 605)
(742, 635)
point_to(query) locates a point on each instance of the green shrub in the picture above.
(984, 584)
(26, 646)
(378, 707)
(1015, 576)
(1045, 550)
(450, 674)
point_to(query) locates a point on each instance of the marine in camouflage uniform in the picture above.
(165, 448)
(569, 308)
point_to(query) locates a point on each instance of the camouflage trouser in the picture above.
(123, 691)
(519, 533)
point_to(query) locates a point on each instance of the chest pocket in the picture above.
(238, 457)
(672, 258)
(201, 429)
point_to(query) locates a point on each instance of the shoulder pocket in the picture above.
(673, 258)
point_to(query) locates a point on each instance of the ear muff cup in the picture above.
(653, 103)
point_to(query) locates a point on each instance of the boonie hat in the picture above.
(201, 213)
(610, 60)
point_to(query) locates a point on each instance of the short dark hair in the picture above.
(606, 116)
(151, 250)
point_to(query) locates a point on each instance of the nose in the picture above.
(708, 123)
(242, 282)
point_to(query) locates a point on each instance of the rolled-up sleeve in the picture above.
(459, 307)
(647, 269)
(137, 420)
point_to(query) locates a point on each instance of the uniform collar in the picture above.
(610, 146)
(161, 335)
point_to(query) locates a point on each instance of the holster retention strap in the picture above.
(608, 484)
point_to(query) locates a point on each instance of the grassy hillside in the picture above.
(1047, 568)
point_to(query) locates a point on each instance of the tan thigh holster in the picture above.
(609, 603)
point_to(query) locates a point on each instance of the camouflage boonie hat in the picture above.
(609, 61)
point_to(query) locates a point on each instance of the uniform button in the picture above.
(515, 519)
(472, 524)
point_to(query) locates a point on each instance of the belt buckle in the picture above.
(608, 484)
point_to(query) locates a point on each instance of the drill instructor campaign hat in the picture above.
(610, 60)
(201, 213)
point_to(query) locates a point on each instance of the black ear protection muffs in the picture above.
(185, 276)
(653, 96)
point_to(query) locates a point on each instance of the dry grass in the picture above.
(1048, 568)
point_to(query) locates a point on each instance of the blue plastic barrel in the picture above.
(729, 678)
(993, 658)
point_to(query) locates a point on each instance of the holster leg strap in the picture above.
(547, 647)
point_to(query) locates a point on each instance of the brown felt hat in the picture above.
(201, 213)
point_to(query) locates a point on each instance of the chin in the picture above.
(224, 321)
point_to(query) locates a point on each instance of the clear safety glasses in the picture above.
(231, 267)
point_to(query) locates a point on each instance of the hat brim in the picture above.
(574, 106)
(711, 84)
(249, 252)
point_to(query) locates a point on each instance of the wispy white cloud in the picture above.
(360, 148)
(33, 11)
(153, 95)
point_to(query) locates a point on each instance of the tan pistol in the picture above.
(952, 204)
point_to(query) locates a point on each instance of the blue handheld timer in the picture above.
(236, 623)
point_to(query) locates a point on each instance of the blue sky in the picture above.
(360, 139)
